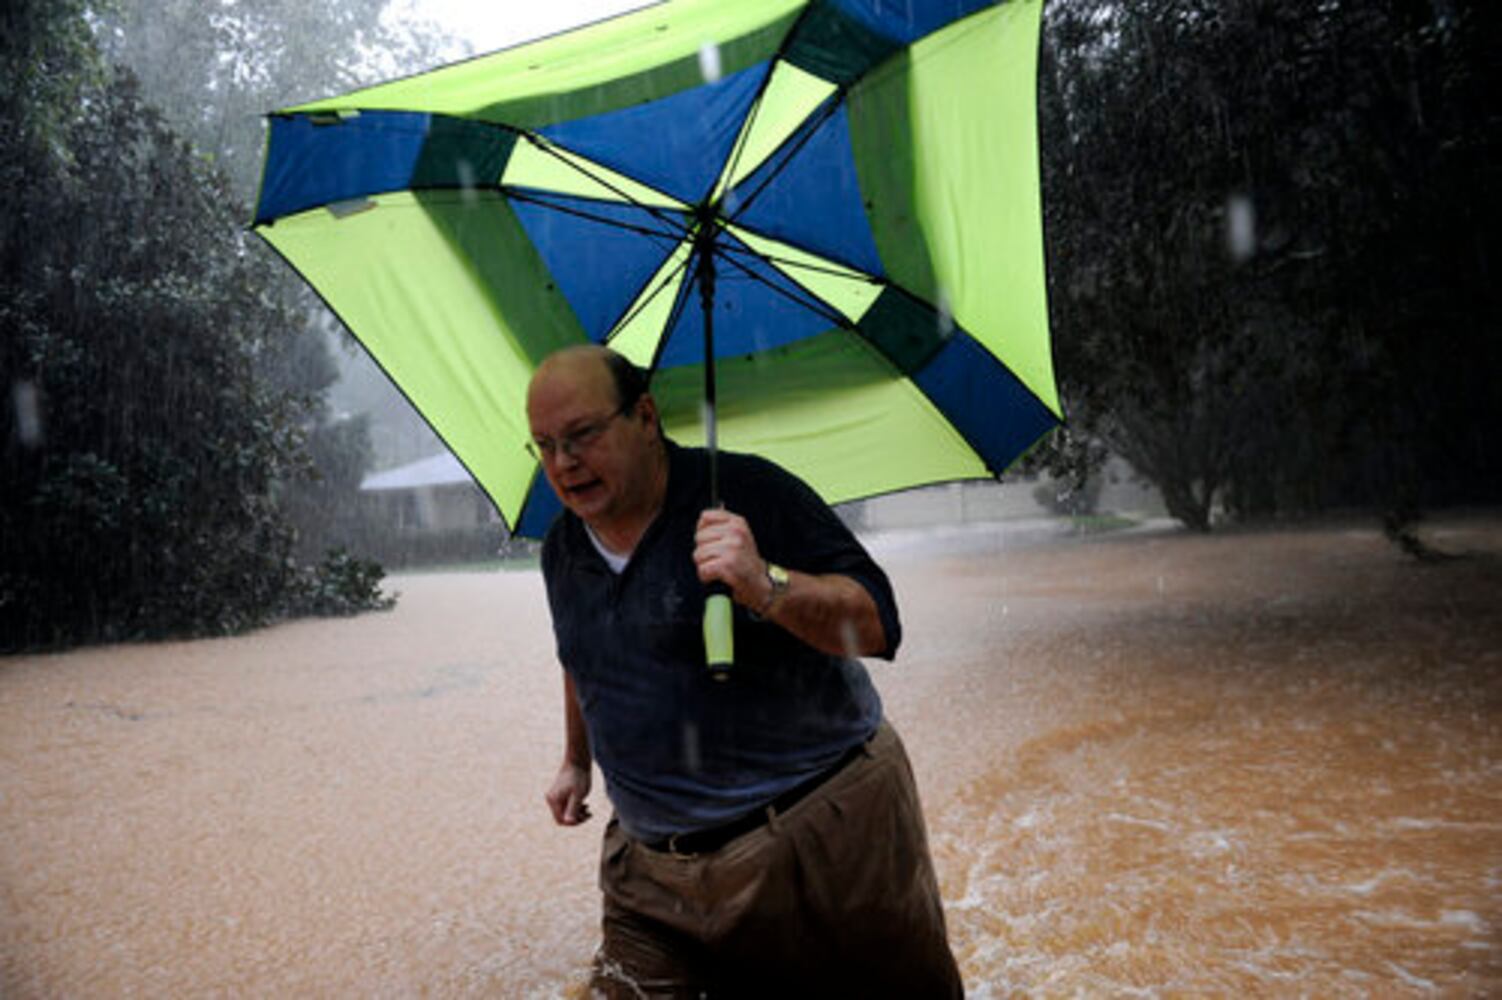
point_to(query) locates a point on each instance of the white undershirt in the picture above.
(614, 560)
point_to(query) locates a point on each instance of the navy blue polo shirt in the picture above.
(681, 751)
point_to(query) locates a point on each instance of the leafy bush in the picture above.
(342, 585)
(1063, 497)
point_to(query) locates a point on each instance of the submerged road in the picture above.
(1262, 763)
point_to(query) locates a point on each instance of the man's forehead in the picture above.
(573, 381)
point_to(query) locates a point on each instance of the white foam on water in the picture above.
(1204, 843)
(1409, 979)
(1395, 918)
(1367, 887)
(1152, 824)
(1472, 922)
(1409, 823)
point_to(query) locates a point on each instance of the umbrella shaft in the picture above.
(705, 242)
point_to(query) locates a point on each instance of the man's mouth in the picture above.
(580, 490)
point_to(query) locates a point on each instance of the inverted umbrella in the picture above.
(823, 214)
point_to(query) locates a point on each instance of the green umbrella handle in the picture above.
(719, 639)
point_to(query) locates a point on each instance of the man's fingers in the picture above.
(576, 812)
(715, 525)
(566, 802)
(715, 516)
(725, 551)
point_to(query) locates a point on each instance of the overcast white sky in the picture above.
(497, 24)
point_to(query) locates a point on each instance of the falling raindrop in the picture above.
(28, 413)
(945, 316)
(850, 638)
(709, 62)
(349, 206)
(466, 171)
(1241, 227)
(707, 420)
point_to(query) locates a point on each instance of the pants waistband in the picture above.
(711, 840)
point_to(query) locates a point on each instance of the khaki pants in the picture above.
(835, 896)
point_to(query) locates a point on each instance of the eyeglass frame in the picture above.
(577, 440)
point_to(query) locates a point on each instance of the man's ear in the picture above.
(646, 408)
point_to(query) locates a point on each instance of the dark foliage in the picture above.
(342, 585)
(144, 444)
(1272, 231)
(214, 72)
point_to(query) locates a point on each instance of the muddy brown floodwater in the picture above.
(1263, 763)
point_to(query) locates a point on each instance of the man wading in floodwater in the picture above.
(767, 832)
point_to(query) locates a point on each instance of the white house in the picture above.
(431, 494)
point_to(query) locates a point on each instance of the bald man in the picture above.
(767, 832)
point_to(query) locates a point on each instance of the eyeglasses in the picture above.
(576, 441)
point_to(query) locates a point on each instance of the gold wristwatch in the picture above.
(778, 578)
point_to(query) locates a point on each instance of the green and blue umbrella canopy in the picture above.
(844, 192)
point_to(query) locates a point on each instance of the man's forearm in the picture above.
(575, 734)
(832, 613)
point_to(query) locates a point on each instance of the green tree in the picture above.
(1261, 219)
(142, 444)
(215, 72)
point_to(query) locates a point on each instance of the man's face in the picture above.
(597, 458)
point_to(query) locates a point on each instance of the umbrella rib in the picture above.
(524, 195)
(742, 140)
(811, 302)
(834, 272)
(813, 123)
(674, 316)
(640, 304)
(543, 145)
(678, 231)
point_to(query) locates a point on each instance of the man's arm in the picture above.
(831, 612)
(566, 797)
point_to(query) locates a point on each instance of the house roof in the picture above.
(436, 470)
